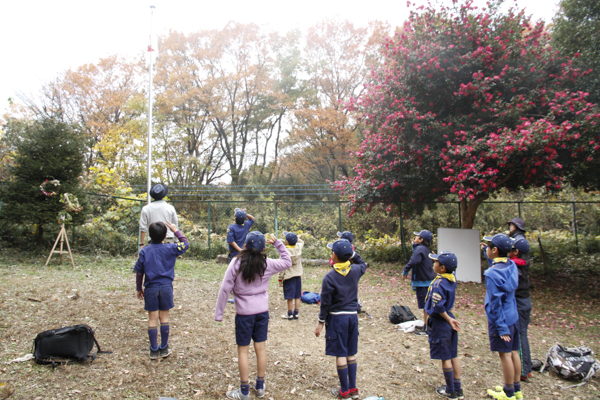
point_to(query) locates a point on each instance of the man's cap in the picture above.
(447, 259)
(255, 240)
(519, 223)
(291, 238)
(159, 191)
(342, 248)
(520, 244)
(425, 235)
(240, 214)
(346, 235)
(501, 241)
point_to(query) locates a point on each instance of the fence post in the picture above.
(140, 229)
(208, 230)
(575, 226)
(459, 216)
(519, 205)
(73, 237)
(340, 216)
(276, 221)
(402, 233)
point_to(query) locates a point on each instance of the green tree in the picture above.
(43, 150)
(576, 32)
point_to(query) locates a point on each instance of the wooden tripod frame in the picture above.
(62, 237)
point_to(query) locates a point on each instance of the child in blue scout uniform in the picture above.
(291, 278)
(236, 233)
(419, 266)
(501, 282)
(339, 304)
(157, 263)
(517, 231)
(441, 325)
(347, 235)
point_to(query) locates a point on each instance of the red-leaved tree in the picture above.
(468, 101)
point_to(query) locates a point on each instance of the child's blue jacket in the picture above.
(421, 266)
(501, 281)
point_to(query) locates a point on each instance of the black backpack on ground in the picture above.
(573, 363)
(65, 345)
(400, 314)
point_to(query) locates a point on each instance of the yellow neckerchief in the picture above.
(342, 268)
(290, 246)
(499, 260)
(449, 276)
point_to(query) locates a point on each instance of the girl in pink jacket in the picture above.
(247, 276)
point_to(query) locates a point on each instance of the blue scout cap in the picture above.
(519, 223)
(341, 248)
(158, 192)
(501, 241)
(291, 238)
(520, 244)
(346, 235)
(425, 235)
(240, 214)
(255, 240)
(447, 259)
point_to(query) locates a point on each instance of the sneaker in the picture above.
(525, 378)
(441, 391)
(460, 394)
(295, 316)
(337, 393)
(354, 394)
(287, 316)
(154, 354)
(260, 392)
(518, 395)
(231, 301)
(499, 395)
(166, 352)
(237, 394)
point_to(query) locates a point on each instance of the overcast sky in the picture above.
(41, 38)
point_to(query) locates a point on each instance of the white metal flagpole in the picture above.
(150, 51)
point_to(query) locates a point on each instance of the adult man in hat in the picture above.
(158, 211)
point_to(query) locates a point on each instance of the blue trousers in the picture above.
(524, 309)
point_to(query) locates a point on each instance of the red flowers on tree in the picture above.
(467, 101)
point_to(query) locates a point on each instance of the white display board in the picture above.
(465, 244)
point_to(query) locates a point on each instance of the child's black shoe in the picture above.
(166, 352)
(442, 392)
(154, 354)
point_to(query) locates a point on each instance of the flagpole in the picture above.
(150, 51)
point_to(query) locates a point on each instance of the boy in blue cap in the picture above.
(291, 278)
(442, 327)
(339, 302)
(236, 233)
(157, 263)
(501, 282)
(419, 266)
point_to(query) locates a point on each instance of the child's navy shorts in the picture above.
(253, 327)
(421, 294)
(158, 297)
(443, 340)
(292, 288)
(341, 338)
(499, 344)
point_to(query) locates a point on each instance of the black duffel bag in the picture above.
(65, 345)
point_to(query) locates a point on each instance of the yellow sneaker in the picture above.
(518, 395)
(499, 395)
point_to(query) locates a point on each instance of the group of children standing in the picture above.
(432, 276)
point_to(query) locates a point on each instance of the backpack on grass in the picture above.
(310, 298)
(400, 314)
(65, 345)
(572, 363)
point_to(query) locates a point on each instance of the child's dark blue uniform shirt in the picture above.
(237, 233)
(157, 261)
(440, 297)
(339, 292)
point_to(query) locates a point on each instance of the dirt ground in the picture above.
(100, 292)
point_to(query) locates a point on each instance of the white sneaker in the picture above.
(285, 316)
